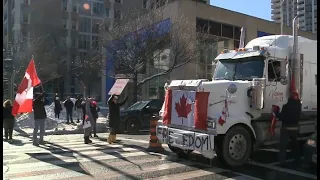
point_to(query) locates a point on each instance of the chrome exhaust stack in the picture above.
(295, 60)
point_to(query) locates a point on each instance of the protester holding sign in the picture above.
(114, 116)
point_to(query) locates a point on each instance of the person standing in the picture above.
(57, 107)
(40, 117)
(94, 110)
(68, 104)
(290, 115)
(78, 108)
(8, 120)
(88, 118)
(114, 116)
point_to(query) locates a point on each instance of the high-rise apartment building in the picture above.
(305, 9)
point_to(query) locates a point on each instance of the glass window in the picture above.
(82, 56)
(237, 33)
(107, 12)
(98, 8)
(241, 69)
(25, 18)
(74, 43)
(95, 41)
(144, 4)
(84, 42)
(215, 28)
(95, 28)
(117, 14)
(227, 31)
(64, 23)
(85, 25)
(236, 44)
(202, 25)
(117, 1)
(74, 25)
(274, 70)
(156, 103)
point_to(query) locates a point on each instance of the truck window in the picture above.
(274, 70)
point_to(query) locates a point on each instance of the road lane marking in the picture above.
(290, 171)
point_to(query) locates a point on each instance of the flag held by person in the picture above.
(186, 108)
(24, 97)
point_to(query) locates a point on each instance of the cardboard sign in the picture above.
(118, 86)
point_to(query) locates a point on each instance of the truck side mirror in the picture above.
(283, 72)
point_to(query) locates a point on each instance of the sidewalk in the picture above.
(61, 128)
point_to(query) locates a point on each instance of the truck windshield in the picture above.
(240, 69)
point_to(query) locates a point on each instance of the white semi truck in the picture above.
(251, 80)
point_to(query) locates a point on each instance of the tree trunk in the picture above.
(135, 88)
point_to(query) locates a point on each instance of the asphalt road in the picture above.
(66, 157)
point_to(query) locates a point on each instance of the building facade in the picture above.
(224, 24)
(305, 9)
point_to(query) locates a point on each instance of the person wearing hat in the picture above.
(114, 117)
(40, 117)
(289, 116)
(8, 119)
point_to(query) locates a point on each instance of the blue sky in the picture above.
(257, 8)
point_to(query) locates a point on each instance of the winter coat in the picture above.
(7, 114)
(290, 113)
(78, 104)
(83, 107)
(68, 104)
(39, 110)
(57, 107)
(94, 110)
(114, 112)
(89, 114)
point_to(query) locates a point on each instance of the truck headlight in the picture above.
(311, 142)
(211, 124)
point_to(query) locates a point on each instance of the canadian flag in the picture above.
(24, 96)
(187, 108)
(224, 113)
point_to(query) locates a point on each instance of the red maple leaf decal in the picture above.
(23, 86)
(183, 108)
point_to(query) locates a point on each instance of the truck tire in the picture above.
(132, 125)
(236, 147)
(180, 152)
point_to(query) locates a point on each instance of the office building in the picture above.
(305, 9)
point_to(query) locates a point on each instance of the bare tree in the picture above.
(138, 39)
(48, 53)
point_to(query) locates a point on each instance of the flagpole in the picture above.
(32, 57)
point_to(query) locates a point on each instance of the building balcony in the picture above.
(275, 1)
(300, 7)
(300, 1)
(275, 11)
(275, 5)
(275, 16)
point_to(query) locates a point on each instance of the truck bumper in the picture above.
(187, 140)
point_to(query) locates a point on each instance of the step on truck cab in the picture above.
(247, 84)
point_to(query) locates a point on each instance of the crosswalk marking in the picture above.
(69, 160)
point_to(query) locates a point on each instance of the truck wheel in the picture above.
(180, 152)
(133, 125)
(236, 147)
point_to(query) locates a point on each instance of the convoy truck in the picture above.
(247, 84)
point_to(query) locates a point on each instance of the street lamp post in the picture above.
(11, 71)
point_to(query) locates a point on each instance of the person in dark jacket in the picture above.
(114, 116)
(83, 107)
(57, 107)
(290, 115)
(40, 117)
(68, 104)
(78, 108)
(8, 120)
(94, 111)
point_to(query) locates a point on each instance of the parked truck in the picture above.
(247, 84)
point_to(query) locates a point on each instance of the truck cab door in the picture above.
(275, 92)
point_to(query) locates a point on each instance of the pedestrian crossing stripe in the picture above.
(99, 160)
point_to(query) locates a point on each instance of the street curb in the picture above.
(61, 132)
